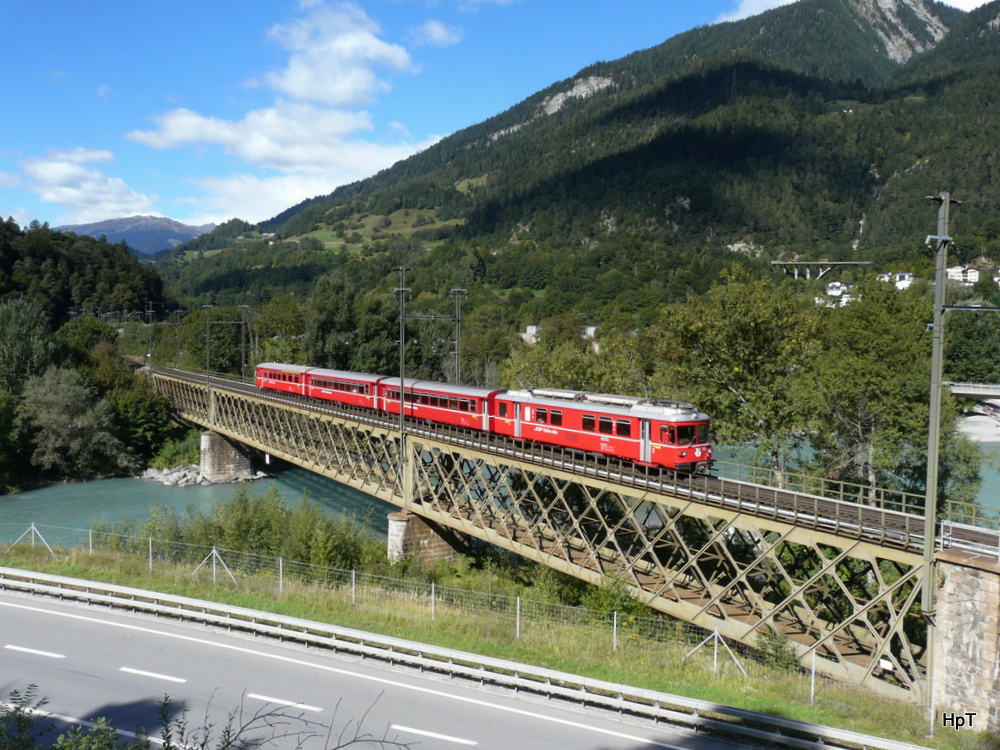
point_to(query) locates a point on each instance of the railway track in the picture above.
(881, 526)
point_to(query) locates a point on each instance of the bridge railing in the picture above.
(808, 486)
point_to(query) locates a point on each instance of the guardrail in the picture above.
(678, 711)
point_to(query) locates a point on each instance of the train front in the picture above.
(680, 437)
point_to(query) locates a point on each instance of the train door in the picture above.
(645, 447)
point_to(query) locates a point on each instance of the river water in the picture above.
(78, 505)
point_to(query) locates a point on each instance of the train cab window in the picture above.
(623, 428)
(502, 410)
(667, 434)
(589, 422)
(605, 425)
(555, 418)
(686, 433)
(542, 416)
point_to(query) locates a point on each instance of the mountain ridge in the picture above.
(143, 234)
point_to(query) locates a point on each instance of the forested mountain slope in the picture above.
(793, 134)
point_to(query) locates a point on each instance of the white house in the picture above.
(963, 275)
(837, 288)
(900, 280)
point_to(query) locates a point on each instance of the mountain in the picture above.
(811, 131)
(144, 235)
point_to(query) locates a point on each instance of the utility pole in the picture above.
(403, 291)
(458, 332)
(944, 201)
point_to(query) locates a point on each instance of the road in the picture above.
(92, 662)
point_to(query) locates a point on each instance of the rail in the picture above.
(678, 711)
(895, 524)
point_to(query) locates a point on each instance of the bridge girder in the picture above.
(851, 601)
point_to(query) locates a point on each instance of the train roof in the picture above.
(449, 388)
(611, 404)
(363, 377)
(284, 367)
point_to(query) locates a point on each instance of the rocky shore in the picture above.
(187, 476)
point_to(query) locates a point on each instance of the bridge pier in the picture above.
(223, 460)
(967, 645)
(413, 536)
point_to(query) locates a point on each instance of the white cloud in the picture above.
(436, 34)
(9, 180)
(289, 136)
(313, 137)
(334, 53)
(85, 193)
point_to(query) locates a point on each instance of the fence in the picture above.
(488, 615)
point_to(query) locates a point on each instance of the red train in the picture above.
(671, 434)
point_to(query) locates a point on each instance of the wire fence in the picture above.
(480, 614)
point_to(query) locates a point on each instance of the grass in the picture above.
(582, 649)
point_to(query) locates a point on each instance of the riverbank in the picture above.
(191, 476)
(981, 429)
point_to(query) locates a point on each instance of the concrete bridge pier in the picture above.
(223, 460)
(413, 536)
(967, 643)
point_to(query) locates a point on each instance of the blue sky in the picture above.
(207, 110)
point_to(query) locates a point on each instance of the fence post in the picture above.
(614, 631)
(90, 541)
(432, 601)
(517, 621)
(150, 554)
(354, 588)
(812, 683)
(281, 576)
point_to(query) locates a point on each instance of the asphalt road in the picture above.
(91, 662)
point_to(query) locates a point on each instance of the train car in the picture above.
(658, 433)
(445, 403)
(342, 387)
(279, 377)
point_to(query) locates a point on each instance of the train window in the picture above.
(703, 433)
(686, 433)
(667, 434)
(473, 405)
(589, 421)
(502, 410)
(604, 424)
(555, 418)
(463, 404)
(624, 428)
(542, 416)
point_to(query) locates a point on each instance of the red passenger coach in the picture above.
(659, 433)
(279, 377)
(354, 388)
(445, 403)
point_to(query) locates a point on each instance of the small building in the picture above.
(964, 275)
(901, 280)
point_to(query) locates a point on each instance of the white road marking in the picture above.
(336, 670)
(34, 652)
(154, 675)
(433, 735)
(291, 704)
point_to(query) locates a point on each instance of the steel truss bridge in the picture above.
(842, 580)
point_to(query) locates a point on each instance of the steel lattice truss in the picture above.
(851, 602)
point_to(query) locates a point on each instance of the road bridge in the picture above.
(974, 390)
(841, 579)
